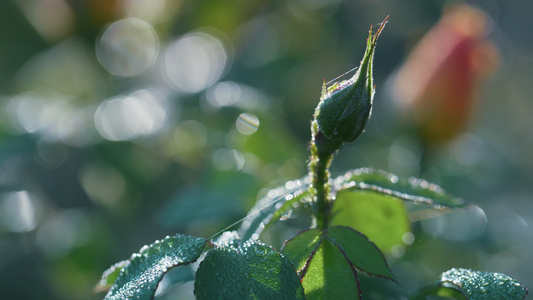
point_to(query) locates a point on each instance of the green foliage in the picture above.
(326, 260)
(250, 271)
(414, 190)
(369, 201)
(326, 273)
(94, 162)
(382, 218)
(474, 285)
(273, 206)
(110, 276)
(140, 275)
(361, 252)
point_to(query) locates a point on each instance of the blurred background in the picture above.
(123, 121)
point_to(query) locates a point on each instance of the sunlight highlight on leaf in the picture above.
(140, 276)
(474, 285)
(328, 261)
(415, 190)
(382, 218)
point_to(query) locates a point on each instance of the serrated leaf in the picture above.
(361, 252)
(483, 285)
(140, 277)
(329, 275)
(412, 189)
(382, 218)
(301, 247)
(250, 271)
(271, 208)
(327, 261)
(110, 276)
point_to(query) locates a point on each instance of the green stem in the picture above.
(319, 170)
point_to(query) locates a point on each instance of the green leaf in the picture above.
(327, 261)
(483, 285)
(476, 285)
(228, 239)
(302, 246)
(437, 290)
(272, 207)
(110, 276)
(382, 218)
(250, 271)
(412, 189)
(361, 252)
(141, 275)
(329, 275)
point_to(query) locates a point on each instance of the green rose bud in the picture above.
(345, 107)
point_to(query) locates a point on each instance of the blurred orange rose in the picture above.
(441, 78)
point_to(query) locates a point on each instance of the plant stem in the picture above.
(319, 171)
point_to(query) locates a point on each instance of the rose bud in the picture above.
(438, 83)
(345, 107)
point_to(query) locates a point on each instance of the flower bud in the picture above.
(345, 107)
(439, 82)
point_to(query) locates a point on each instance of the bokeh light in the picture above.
(128, 47)
(45, 114)
(25, 111)
(19, 211)
(228, 159)
(142, 112)
(462, 225)
(108, 195)
(247, 123)
(230, 93)
(77, 128)
(194, 62)
(63, 231)
(224, 94)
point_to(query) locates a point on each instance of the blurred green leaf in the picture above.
(250, 271)
(382, 218)
(413, 189)
(475, 285)
(272, 207)
(439, 292)
(141, 275)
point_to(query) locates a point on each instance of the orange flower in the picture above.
(440, 80)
